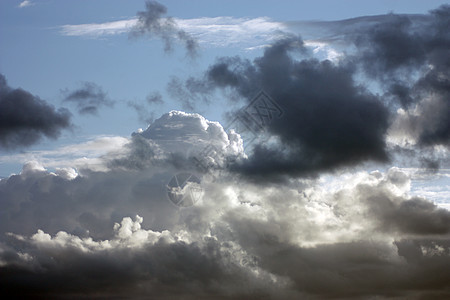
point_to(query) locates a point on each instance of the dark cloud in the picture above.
(365, 239)
(411, 58)
(25, 119)
(328, 120)
(152, 22)
(88, 98)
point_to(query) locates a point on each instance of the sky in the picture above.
(225, 149)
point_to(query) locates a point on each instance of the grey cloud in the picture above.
(242, 241)
(88, 98)
(190, 92)
(142, 108)
(25, 119)
(153, 23)
(411, 59)
(328, 121)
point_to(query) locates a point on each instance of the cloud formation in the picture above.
(151, 22)
(411, 59)
(307, 239)
(25, 119)
(332, 118)
(321, 128)
(25, 4)
(108, 229)
(88, 98)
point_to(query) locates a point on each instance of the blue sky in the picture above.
(350, 176)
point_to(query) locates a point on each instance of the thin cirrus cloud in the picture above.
(218, 31)
(25, 3)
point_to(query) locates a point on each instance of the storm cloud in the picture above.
(411, 58)
(311, 219)
(241, 241)
(328, 119)
(25, 119)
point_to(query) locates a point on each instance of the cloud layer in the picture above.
(81, 236)
(302, 214)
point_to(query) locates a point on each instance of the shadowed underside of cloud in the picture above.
(328, 120)
(25, 119)
(241, 241)
(361, 235)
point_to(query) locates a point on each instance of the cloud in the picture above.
(151, 23)
(25, 119)
(331, 117)
(412, 62)
(73, 156)
(88, 98)
(217, 32)
(142, 108)
(309, 238)
(179, 139)
(320, 128)
(109, 229)
(25, 4)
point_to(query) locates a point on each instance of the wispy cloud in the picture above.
(218, 31)
(25, 4)
(95, 30)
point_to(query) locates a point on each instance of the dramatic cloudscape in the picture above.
(224, 149)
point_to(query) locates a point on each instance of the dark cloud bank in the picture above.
(73, 238)
(330, 119)
(25, 119)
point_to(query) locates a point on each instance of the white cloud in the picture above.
(25, 3)
(82, 155)
(99, 29)
(217, 32)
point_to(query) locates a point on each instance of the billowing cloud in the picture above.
(25, 119)
(330, 117)
(88, 98)
(330, 229)
(327, 120)
(306, 238)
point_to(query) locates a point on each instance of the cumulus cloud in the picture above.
(88, 98)
(320, 128)
(25, 119)
(109, 229)
(310, 238)
(331, 119)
